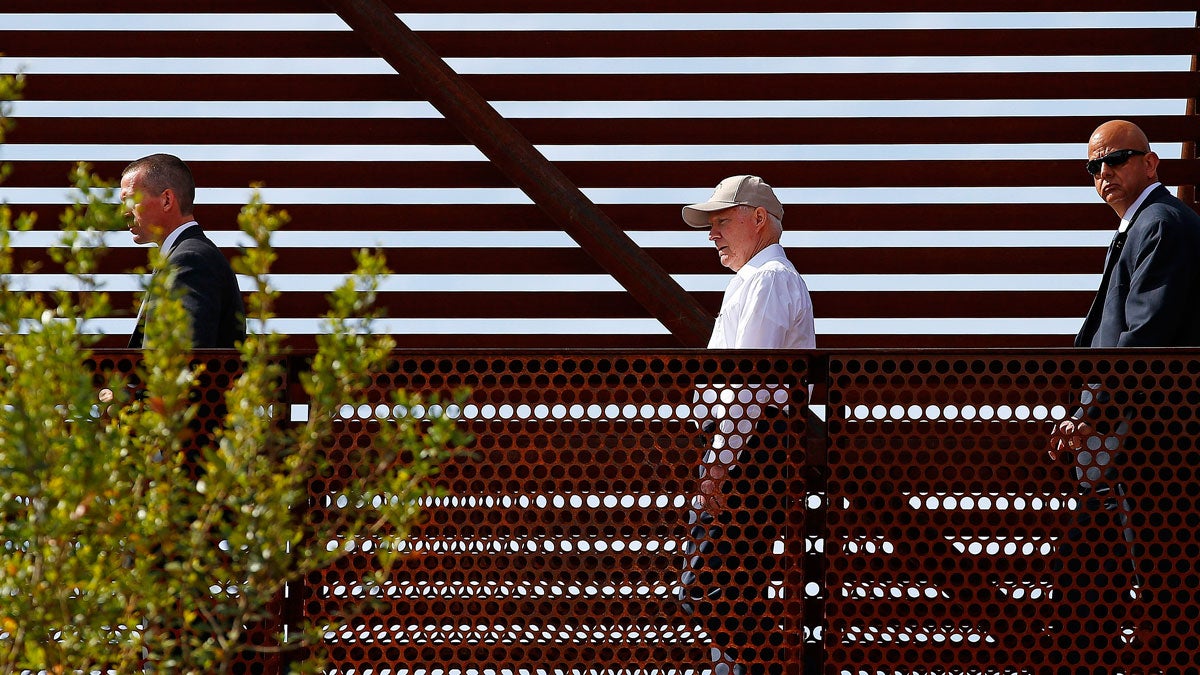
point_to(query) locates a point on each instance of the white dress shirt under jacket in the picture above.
(1137, 203)
(169, 242)
(766, 306)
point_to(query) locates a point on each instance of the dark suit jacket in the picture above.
(209, 292)
(1152, 298)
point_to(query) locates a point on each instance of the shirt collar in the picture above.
(1132, 210)
(169, 242)
(772, 252)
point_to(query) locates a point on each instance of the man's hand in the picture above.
(1068, 436)
(108, 408)
(711, 498)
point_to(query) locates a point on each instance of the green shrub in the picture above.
(122, 545)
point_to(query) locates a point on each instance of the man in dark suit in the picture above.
(1150, 291)
(1149, 296)
(158, 192)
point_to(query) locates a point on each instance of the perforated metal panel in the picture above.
(566, 538)
(956, 542)
(941, 537)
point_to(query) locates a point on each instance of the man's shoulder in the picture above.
(1161, 205)
(1169, 219)
(194, 246)
(776, 265)
(777, 277)
(193, 236)
(1166, 226)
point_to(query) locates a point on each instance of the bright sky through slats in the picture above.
(564, 283)
(611, 21)
(824, 195)
(671, 235)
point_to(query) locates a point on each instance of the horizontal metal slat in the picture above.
(598, 174)
(674, 87)
(648, 217)
(551, 131)
(577, 44)
(544, 261)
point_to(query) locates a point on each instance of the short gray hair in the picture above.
(162, 171)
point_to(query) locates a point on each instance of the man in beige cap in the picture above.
(767, 305)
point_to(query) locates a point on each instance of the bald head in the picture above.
(1122, 177)
(1122, 132)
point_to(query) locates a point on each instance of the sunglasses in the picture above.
(1114, 158)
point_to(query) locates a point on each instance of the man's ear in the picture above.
(1152, 164)
(168, 199)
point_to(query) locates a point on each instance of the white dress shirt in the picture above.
(766, 306)
(1137, 203)
(169, 242)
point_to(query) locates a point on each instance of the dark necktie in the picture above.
(1084, 338)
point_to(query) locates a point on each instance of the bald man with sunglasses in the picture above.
(1149, 293)
(1149, 296)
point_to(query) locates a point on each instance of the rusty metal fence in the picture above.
(694, 512)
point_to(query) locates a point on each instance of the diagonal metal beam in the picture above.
(527, 168)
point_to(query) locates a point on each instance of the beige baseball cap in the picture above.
(734, 191)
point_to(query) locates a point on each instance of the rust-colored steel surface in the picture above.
(954, 539)
(633, 512)
(691, 512)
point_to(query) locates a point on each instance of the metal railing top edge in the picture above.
(694, 352)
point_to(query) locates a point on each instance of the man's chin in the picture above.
(1116, 200)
